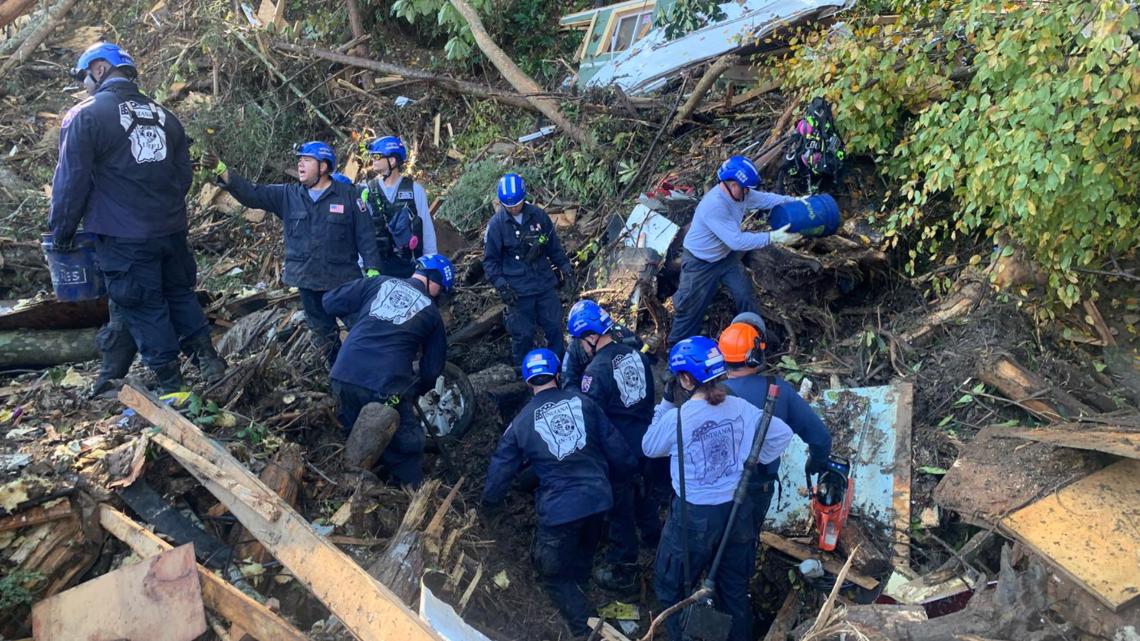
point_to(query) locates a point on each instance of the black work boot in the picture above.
(117, 351)
(169, 377)
(211, 366)
(617, 577)
(370, 435)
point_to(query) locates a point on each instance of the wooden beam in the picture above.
(36, 516)
(1120, 443)
(802, 552)
(367, 608)
(218, 594)
(785, 618)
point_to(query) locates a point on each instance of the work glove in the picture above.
(815, 466)
(508, 295)
(569, 283)
(372, 273)
(782, 236)
(63, 243)
(212, 163)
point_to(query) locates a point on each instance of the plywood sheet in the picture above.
(1090, 531)
(1120, 443)
(158, 599)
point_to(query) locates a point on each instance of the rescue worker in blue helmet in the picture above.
(524, 260)
(123, 172)
(399, 209)
(326, 228)
(576, 359)
(715, 245)
(619, 380)
(572, 447)
(743, 343)
(716, 434)
(396, 319)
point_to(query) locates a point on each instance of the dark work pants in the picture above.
(151, 280)
(117, 347)
(706, 525)
(404, 456)
(542, 310)
(563, 556)
(326, 334)
(700, 281)
(635, 512)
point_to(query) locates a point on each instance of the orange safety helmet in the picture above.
(741, 345)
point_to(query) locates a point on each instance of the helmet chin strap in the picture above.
(391, 167)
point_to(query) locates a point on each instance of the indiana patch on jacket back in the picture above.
(629, 375)
(562, 426)
(397, 302)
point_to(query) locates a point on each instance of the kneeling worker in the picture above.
(396, 319)
(572, 447)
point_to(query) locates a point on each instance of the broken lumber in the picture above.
(785, 618)
(522, 83)
(443, 82)
(803, 552)
(47, 347)
(54, 511)
(367, 608)
(1030, 391)
(1126, 444)
(282, 475)
(218, 595)
(159, 599)
(1088, 531)
(55, 15)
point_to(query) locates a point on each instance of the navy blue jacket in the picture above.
(569, 442)
(124, 166)
(322, 238)
(396, 319)
(619, 380)
(790, 408)
(576, 360)
(514, 255)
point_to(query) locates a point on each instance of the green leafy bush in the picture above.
(1026, 115)
(686, 16)
(469, 202)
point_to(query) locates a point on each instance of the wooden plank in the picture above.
(900, 500)
(217, 593)
(802, 552)
(367, 608)
(60, 509)
(608, 632)
(1126, 444)
(1088, 531)
(159, 599)
(785, 619)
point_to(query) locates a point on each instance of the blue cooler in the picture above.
(812, 216)
(74, 275)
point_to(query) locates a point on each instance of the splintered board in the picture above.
(871, 427)
(1090, 531)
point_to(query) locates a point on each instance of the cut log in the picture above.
(368, 609)
(218, 595)
(55, 16)
(1126, 444)
(283, 476)
(522, 83)
(53, 314)
(443, 82)
(46, 348)
(1030, 391)
(965, 296)
(12, 9)
(486, 321)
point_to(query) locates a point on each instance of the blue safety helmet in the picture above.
(320, 151)
(511, 190)
(539, 362)
(389, 146)
(341, 178)
(700, 357)
(741, 170)
(439, 264)
(587, 317)
(103, 51)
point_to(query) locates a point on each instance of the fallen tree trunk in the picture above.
(54, 17)
(12, 9)
(45, 348)
(1030, 391)
(522, 83)
(443, 82)
(715, 71)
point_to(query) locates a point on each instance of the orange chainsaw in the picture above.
(831, 500)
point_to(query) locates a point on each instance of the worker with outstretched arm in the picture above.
(743, 343)
(124, 171)
(715, 245)
(572, 447)
(717, 431)
(523, 259)
(619, 380)
(399, 209)
(326, 227)
(396, 320)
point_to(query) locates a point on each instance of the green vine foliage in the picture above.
(1025, 115)
(686, 16)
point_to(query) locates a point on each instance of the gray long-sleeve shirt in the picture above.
(715, 232)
